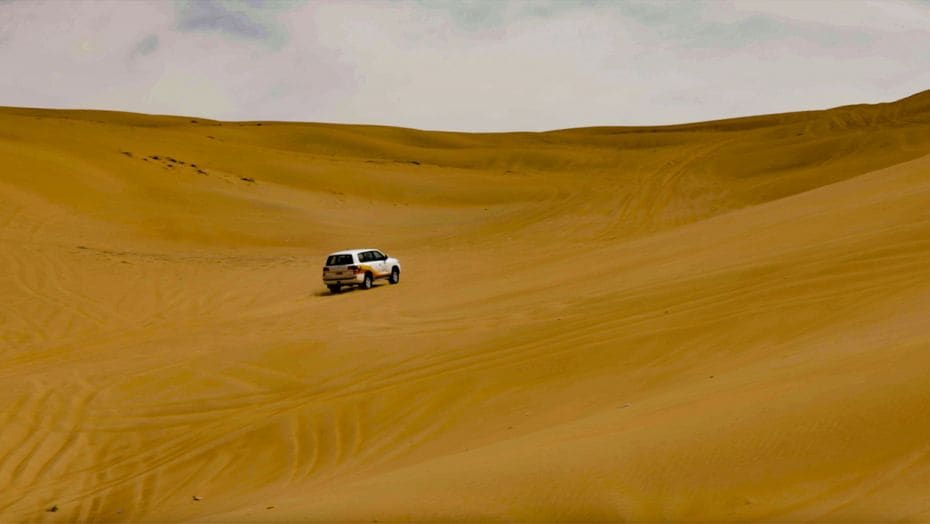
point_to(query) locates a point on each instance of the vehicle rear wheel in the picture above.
(366, 284)
(395, 276)
(333, 288)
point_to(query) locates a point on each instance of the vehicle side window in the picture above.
(365, 256)
(377, 255)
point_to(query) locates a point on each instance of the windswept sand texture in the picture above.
(717, 321)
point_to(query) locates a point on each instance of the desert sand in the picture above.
(721, 321)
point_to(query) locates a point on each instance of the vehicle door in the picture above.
(364, 260)
(380, 263)
(367, 261)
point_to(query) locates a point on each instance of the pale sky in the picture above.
(462, 65)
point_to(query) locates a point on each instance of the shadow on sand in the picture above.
(346, 290)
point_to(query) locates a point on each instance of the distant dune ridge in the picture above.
(719, 321)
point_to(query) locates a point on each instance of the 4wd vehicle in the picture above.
(359, 267)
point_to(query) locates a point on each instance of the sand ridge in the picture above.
(713, 321)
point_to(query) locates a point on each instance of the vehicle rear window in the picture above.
(339, 260)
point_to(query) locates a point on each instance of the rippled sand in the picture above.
(716, 321)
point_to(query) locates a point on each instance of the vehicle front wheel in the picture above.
(333, 288)
(366, 284)
(395, 276)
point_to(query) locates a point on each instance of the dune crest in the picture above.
(719, 321)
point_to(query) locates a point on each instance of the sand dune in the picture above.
(716, 321)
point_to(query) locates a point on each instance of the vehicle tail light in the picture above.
(353, 269)
(325, 269)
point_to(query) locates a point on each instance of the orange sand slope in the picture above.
(718, 321)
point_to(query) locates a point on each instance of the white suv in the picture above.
(359, 267)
